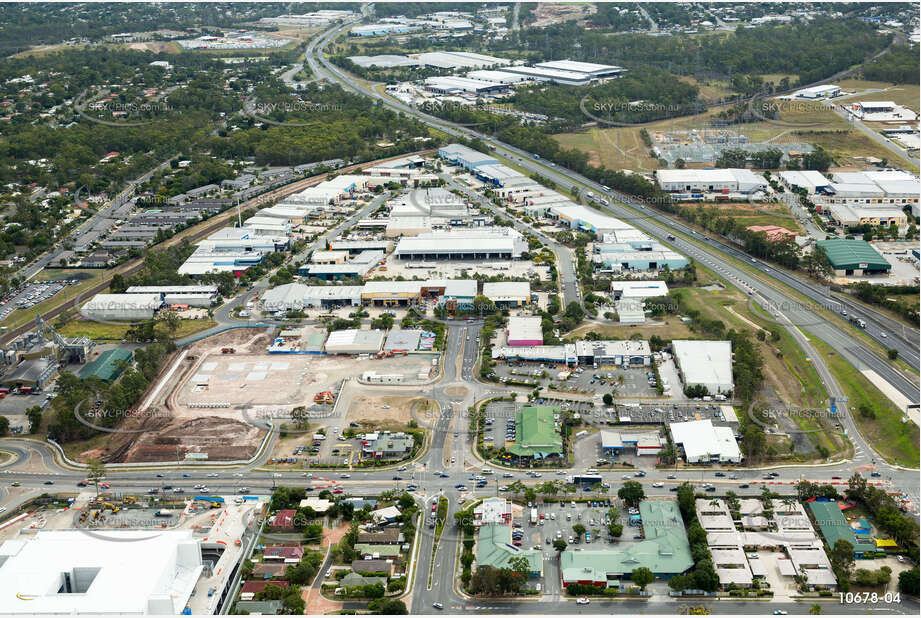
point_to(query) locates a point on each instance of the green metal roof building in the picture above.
(354, 579)
(384, 551)
(834, 526)
(665, 551)
(850, 257)
(266, 608)
(537, 434)
(108, 365)
(494, 548)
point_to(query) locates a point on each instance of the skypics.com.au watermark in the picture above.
(794, 312)
(602, 111)
(770, 416)
(259, 110)
(109, 420)
(120, 113)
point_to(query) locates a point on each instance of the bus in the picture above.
(584, 479)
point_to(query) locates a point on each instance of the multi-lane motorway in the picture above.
(449, 452)
(450, 449)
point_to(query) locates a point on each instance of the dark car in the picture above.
(398, 478)
(710, 489)
(81, 484)
(675, 488)
(743, 486)
(720, 474)
(638, 536)
(49, 482)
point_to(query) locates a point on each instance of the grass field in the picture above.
(98, 331)
(710, 89)
(613, 147)
(893, 439)
(758, 214)
(906, 95)
(622, 147)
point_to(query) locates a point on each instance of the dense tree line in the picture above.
(899, 66)
(638, 96)
(703, 576)
(415, 9)
(23, 25)
(617, 17)
(76, 396)
(881, 296)
(810, 50)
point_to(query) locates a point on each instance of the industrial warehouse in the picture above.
(706, 364)
(453, 294)
(730, 180)
(419, 310)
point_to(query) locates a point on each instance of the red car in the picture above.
(337, 491)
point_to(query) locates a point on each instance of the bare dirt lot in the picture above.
(244, 387)
(370, 413)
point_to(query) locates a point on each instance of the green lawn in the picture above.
(99, 331)
(893, 439)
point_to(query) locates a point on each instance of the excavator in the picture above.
(324, 397)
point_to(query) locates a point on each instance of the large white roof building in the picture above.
(706, 363)
(525, 331)
(355, 341)
(471, 244)
(715, 180)
(588, 68)
(125, 307)
(810, 180)
(124, 572)
(703, 443)
(512, 293)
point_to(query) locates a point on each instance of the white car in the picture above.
(583, 601)
(658, 484)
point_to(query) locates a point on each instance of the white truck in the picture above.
(533, 516)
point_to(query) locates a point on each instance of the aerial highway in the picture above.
(769, 282)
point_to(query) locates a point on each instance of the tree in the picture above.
(4, 425)
(34, 414)
(390, 607)
(520, 565)
(686, 501)
(631, 493)
(559, 544)
(842, 558)
(95, 473)
(615, 529)
(304, 571)
(892, 353)
(815, 609)
(482, 304)
(910, 581)
(607, 399)
(579, 529)
(574, 310)
(642, 577)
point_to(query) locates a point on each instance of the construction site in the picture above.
(215, 399)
